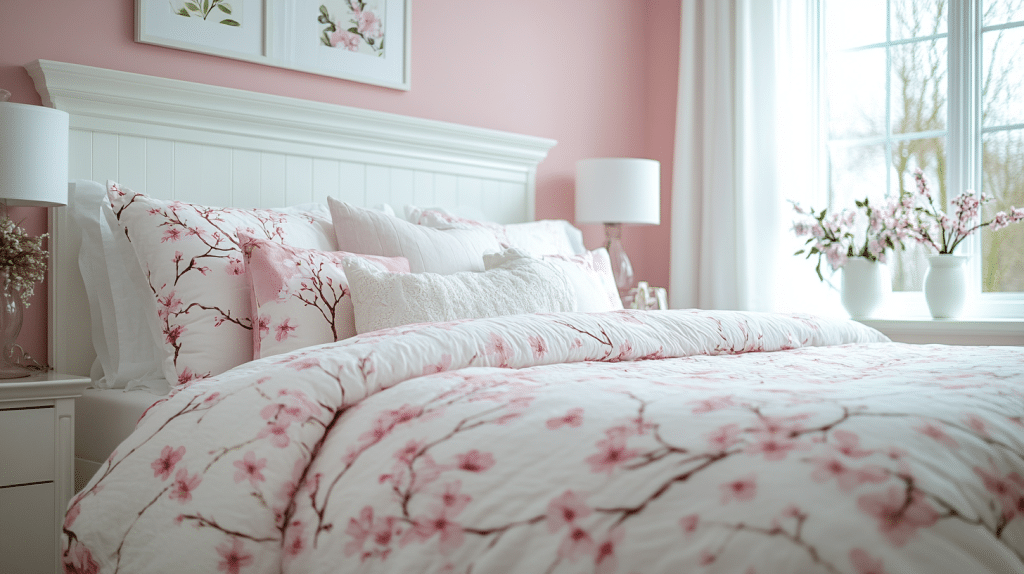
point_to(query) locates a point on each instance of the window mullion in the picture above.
(964, 141)
(889, 184)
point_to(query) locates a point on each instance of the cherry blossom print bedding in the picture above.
(192, 259)
(628, 441)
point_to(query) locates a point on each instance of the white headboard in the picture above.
(224, 147)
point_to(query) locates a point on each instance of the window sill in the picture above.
(951, 331)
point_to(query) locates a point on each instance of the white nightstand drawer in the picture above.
(28, 540)
(27, 448)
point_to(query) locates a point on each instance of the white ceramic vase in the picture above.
(945, 285)
(863, 286)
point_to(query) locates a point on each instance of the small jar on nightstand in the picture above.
(645, 297)
(37, 454)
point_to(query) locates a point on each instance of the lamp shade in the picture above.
(33, 155)
(618, 190)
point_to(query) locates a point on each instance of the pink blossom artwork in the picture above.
(353, 25)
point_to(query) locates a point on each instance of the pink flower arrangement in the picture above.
(22, 258)
(913, 216)
(832, 236)
(933, 227)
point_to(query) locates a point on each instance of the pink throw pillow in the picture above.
(301, 297)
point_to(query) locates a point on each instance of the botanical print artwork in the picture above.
(353, 25)
(289, 34)
(628, 441)
(208, 10)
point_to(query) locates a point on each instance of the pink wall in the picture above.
(601, 81)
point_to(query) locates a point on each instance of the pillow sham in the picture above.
(369, 232)
(521, 284)
(127, 355)
(543, 237)
(593, 273)
(192, 261)
(300, 297)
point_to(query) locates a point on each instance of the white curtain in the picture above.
(746, 133)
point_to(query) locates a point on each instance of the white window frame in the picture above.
(963, 148)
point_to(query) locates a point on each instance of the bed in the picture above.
(510, 419)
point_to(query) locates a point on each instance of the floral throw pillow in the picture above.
(300, 297)
(191, 257)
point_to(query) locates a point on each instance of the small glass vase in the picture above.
(945, 285)
(12, 313)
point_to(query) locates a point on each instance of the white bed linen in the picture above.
(103, 419)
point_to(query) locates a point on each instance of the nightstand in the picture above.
(37, 452)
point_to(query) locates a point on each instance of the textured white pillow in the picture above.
(369, 232)
(588, 274)
(544, 237)
(521, 284)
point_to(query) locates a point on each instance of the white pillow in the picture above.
(593, 273)
(126, 349)
(369, 232)
(544, 237)
(522, 284)
(588, 274)
(193, 264)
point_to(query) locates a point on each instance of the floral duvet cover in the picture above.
(633, 442)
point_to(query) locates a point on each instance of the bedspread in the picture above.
(631, 441)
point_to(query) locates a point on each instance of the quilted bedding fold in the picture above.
(617, 442)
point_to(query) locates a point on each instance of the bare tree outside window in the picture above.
(1003, 142)
(887, 115)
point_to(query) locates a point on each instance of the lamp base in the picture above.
(622, 269)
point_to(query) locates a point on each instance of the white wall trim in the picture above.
(952, 331)
(88, 92)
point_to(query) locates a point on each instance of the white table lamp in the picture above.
(614, 191)
(33, 172)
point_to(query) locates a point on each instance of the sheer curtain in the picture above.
(746, 142)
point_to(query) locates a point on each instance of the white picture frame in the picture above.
(365, 41)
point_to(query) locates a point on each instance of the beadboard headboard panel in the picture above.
(224, 147)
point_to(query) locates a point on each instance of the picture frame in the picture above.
(365, 41)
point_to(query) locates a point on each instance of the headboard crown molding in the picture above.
(109, 95)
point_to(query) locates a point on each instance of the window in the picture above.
(939, 85)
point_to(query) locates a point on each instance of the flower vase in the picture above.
(12, 312)
(945, 285)
(863, 288)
